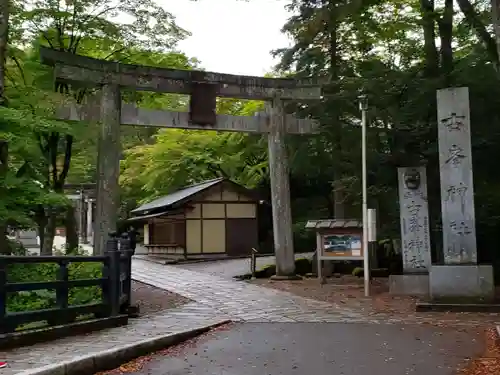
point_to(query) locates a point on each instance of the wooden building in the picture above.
(215, 217)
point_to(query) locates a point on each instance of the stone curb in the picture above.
(113, 358)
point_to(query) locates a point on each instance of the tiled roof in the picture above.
(169, 200)
(333, 223)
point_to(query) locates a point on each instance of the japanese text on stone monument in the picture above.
(415, 237)
(457, 193)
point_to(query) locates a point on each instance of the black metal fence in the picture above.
(115, 284)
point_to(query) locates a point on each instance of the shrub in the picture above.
(304, 239)
(46, 298)
(303, 266)
(358, 271)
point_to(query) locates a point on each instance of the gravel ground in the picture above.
(152, 300)
(348, 291)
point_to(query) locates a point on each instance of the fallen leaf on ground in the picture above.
(138, 363)
(489, 362)
(348, 292)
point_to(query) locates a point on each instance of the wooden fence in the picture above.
(115, 284)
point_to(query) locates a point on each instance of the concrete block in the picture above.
(409, 285)
(462, 282)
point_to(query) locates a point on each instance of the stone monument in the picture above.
(460, 276)
(415, 239)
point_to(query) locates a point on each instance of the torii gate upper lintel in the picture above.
(204, 88)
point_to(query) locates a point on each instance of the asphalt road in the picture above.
(321, 349)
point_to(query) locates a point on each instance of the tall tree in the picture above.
(4, 145)
(180, 157)
(93, 28)
(495, 12)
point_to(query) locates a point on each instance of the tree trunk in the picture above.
(41, 224)
(338, 192)
(331, 205)
(49, 232)
(71, 231)
(4, 146)
(4, 156)
(429, 27)
(495, 12)
(56, 180)
(475, 21)
(446, 37)
(4, 39)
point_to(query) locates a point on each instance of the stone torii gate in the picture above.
(203, 88)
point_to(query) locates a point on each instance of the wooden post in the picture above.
(82, 218)
(113, 289)
(253, 263)
(89, 221)
(126, 267)
(62, 296)
(319, 254)
(108, 166)
(280, 191)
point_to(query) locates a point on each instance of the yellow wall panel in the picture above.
(213, 194)
(168, 218)
(146, 234)
(193, 236)
(229, 195)
(157, 250)
(195, 212)
(241, 210)
(213, 210)
(214, 236)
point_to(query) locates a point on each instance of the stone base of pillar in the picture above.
(409, 285)
(285, 277)
(462, 283)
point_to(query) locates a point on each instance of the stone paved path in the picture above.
(233, 267)
(189, 316)
(251, 303)
(239, 300)
(217, 298)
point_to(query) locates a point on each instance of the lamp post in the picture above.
(363, 106)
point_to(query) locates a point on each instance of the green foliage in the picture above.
(358, 271)
(304, 240)
(180, 157)
(303, 266)
(128, 31)
(384, 48)
(22, 187)
(107, 26)
(43, 299)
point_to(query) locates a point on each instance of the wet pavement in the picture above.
(230, 268)
(321, 349)
(242, 301)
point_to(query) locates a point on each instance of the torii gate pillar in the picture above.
(280, 191)
(108, 166)
(204, 87)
